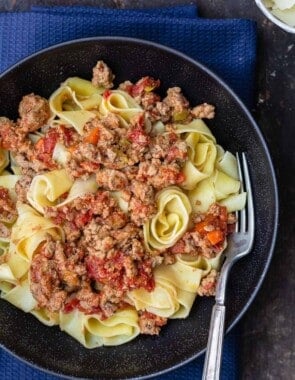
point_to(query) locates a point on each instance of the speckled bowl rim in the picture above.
(272, 18)
(257, 130)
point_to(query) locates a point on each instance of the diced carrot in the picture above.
(39, 144)
(215, 236)
(200, 227)
(72, 148)
(92, 137)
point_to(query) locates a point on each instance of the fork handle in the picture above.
(212, 364)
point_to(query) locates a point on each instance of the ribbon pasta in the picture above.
(171, 221)
(21, 297)
(93, 332)
(4, 159)
(176, 287)
(202, 152)
(30, 230)
(7, 279)
(121, 104)
(222, 187)
(73, 100)
(46, 189)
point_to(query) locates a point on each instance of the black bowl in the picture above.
(181, 340)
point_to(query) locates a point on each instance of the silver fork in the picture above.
(240, 244)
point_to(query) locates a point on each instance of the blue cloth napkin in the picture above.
(228, 47)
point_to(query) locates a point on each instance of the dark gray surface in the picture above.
(268, 344)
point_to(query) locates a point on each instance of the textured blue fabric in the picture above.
(228, 47)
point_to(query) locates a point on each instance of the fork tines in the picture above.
(245, 217)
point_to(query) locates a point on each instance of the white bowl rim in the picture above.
(274, 19)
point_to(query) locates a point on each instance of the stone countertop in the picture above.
(268, 332)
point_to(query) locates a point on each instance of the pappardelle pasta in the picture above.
(115, 206)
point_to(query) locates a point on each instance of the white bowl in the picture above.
(266, 11)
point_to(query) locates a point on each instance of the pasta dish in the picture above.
(115, 206)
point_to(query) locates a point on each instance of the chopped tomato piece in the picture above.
(67, 134)
(138, 137)
(107, 94)
(105, 271)
(70, 306)
(146, 84)
(44, 147)
(4, 194)
(82, 219)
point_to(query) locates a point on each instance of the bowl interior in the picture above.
(180, 340)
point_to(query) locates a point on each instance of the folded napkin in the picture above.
(228, 47)
(225, 46)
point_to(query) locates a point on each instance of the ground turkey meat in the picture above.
(194, 244)
(4, 231)
(160, 112)
(129, 231)
(141, 212)
(28, 156)
(167, 175)
(45, 281)
(203, 111)
(7, 206)
(102, 75)
(8, 139)
(103, 240)
(141, 202)
(88, 298)
(109, 151)
(208, 284)
(143, 191)
(96, 239)
(22, 187)
(29, 165)
(150, 323)
(75, 216)
(111, 179)
(34, 111)
(149, 100)
(110, 300)
(120, 271)
(158, 175)
(12, 137)
(176, 101)
(167, 147)
(56, 271)
(136, 133)
(207, 237)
